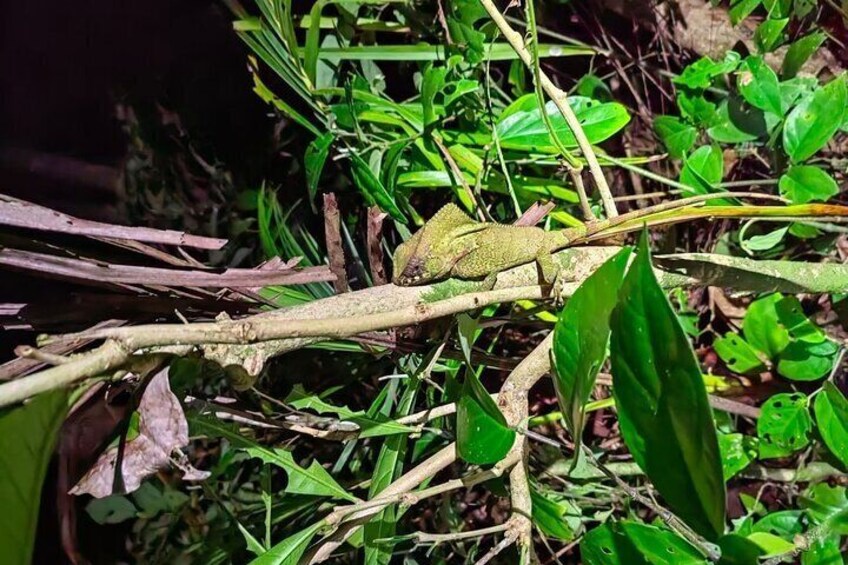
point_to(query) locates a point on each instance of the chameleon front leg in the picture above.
(552, 272)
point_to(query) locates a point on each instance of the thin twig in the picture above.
(560, 99)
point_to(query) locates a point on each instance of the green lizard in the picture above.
(453, 245)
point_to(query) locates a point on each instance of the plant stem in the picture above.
(560, 99)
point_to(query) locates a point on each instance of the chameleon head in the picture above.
(416, 263)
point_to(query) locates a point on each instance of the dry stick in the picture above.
(333, 236)
(560, 99)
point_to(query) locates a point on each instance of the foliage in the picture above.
(648, 428)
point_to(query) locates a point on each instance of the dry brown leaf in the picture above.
(162, 429)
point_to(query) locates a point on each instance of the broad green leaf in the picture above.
(824, 551)
(762, 327)
(482, 435)
(786, 524)
(831, 409)
(795, 89)
(700, 74)
(112, 509)
(314, 159)
(812, 123)
(805, 183)
(555, 516)
(592, 86)
(826, 504)
(738, 354)
(778, 8)
(769, 34)
(525, 129)
(741, 9)
(736, 549)
(373, 189)
(771, 544)
(290, 550)
(662, 403)
(581, 336)
(314, 480)
(27, 436)
(738, 122)
(703, 169)
(677, 136)
(388, 467)
(784, 425)
(799, 52)
(697, 109)
(762, 242)
(737, 452)
(759, 86)
(632, 543)
(804, 361)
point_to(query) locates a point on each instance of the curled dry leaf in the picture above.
(162, 429)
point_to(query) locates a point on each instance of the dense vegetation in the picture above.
(676, 395)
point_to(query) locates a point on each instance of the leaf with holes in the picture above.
(632, 543)
(662, 404)
(737, 452)
(738, 354)
(784, 425)
(831, 409)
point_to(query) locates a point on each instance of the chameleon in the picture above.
(453, 245)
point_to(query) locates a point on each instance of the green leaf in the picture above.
(805, 183)
(581, 336)
(758, 85)
(771, 544)
(314, 159)
(663, 411)
(799, 52)
(369, 427)
(525, 129)
(632, 543)
(826, 504)
(703, 169)
(769, 34)
(677, 136)
(482, 434)
(738, 122)
(555, 516)
(373, 189)
(812, 123)
(290, 550)
(389, 466)
(738, 354)
(804, 361)
(696, 108)
(741, 9)
(738, 550)
(824, 551)
(762, 326)
(762, 242)
(314, 480)
(27, 436)
(831, 409)
(784, 425)
(432, 84)
(700, 74)
(737, 452)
